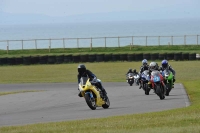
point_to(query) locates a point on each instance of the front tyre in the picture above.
(168, 89)
(90, 101)
(107, 103)
(160, 92)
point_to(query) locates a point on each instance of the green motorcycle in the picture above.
(168, 80)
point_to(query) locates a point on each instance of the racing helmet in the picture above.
(153, 66)
(81, 68)
(134, 71)
(164, 63)
(144, 62)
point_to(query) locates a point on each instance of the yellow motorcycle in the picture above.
(92, 94)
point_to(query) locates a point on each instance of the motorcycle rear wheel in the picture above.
(90, 102)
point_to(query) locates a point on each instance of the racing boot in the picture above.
(80, 95)
(173, 82)
(104, 92)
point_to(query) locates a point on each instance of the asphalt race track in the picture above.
(60, 102)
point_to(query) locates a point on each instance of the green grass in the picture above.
(182, 120)
(134, 49)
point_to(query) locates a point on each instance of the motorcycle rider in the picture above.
(129, 71)
(152, 66)
(82, 71)
(165, 65)
(144, 67)
(135, 72)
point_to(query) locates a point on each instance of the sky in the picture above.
(63, 8)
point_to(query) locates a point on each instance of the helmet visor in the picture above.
(81, 70)
(164, 65)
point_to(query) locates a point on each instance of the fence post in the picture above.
(197, 39)
(172, 40)
(64, 43)
(159, 40)
(130, 46)
(35, 44)
(146, 40)
(49, 45)
(132, 40)
(91, 44)
(184, 39)
(77, 42)
(22, 44)
(7, 46)
(118, 42)
(105, 42)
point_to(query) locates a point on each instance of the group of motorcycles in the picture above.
(161, 82)
(133, 78)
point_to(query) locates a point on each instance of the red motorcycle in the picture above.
(157, 84)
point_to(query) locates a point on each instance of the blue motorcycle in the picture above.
(144, 81)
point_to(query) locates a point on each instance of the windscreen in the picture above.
(83, 80)
(155, 73)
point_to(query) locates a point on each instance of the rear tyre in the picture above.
(90, 101)
(107, 103)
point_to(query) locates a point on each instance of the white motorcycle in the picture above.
(136, 78)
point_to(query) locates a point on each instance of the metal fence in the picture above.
(92, 42)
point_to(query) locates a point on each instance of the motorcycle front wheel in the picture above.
(160, 92)
(90, 101)
(168, 89)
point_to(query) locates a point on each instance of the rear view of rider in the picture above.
(83, 72)
(165, 65)
(144, 67)
(129, 71)
(135, 72)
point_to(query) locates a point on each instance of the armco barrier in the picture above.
(115, 57)
(154, 56)
(59, 59)
(92, 57)
(99, 57)
(84, 58)
(67, 58)
(146, 56)
(131, 57)
(177, 56)
(138, 56)
(192, 56)
(123, 57)
(185, 56)
(107, 57)
(170, 56)
(53, 59)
